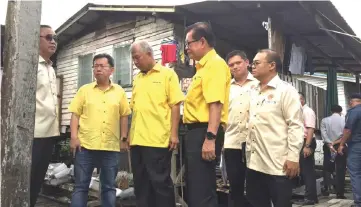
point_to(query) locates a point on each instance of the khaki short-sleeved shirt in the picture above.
(46, 115)
(275, 127)
(239, 98)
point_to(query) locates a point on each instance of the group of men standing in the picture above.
(260, 114)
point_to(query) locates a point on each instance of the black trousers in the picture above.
(153, 186)
(338, 166)
(262, 189)
(308, 173)
(41, 156)
(236, 173)
(200, 174)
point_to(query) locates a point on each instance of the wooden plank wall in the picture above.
(152, 29)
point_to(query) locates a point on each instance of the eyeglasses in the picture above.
(254, 64)
(186, 44)
(100, 66)
(50, 37)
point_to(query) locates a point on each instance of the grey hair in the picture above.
(143, 45)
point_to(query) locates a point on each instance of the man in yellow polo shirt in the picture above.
(99, 126)
(205, 110)
(155, 103)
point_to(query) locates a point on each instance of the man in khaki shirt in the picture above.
(46, 115)
(236, 132)
(275, 135)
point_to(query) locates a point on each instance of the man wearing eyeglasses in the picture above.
(46, 115)
(99, 127)
(275, 135)
(205, 111)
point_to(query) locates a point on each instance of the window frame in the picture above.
(79, 68)
(130, 66)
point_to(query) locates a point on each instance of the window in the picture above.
(85, 71)
(123, 66)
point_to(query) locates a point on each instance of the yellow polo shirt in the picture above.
(211, 83)
(153, 95)
(100, 112)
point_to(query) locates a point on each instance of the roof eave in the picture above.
(94, 7)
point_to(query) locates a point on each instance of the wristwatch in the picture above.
(124, 139)
(307, 145)
(211, 136)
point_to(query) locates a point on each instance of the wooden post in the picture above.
(276, 39)
(18, 100)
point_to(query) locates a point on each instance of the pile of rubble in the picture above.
(59, 174)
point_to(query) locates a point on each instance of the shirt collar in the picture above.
(304, 106)
(157, 67)
(95, 84)
(42, 60)
(211, 54)
(274, 82)
(249, 77)
(359, 105)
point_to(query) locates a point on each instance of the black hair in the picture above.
(336, 109)
(273, 56)
(303, 95)
(202, 29)
(45, 26)
(104, 55)
(239, 53)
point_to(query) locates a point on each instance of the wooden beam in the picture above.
(320, 22)
(276, 39)
(18, 100)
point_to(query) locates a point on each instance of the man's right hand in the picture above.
(332, 149)
(74, 145)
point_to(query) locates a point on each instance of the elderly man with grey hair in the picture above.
(155, 103)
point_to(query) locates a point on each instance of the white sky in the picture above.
(56, 12)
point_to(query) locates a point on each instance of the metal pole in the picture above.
(18, 100)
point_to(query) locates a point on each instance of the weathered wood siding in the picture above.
(115, 34)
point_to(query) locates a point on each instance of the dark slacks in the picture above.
(236, 173)
(338, 166)
(308, 173)
(200, 174)
(41, 156)
(263, 189)
(153, 185)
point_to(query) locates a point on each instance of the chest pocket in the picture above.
(194, 89)
(156, 91)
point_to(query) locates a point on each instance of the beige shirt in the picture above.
(275, 127)
(46, 115)
(309, 119)
(239, 98)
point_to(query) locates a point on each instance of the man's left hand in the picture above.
(291, 169)
(124, 146)
(307, 151)
(173, 143)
